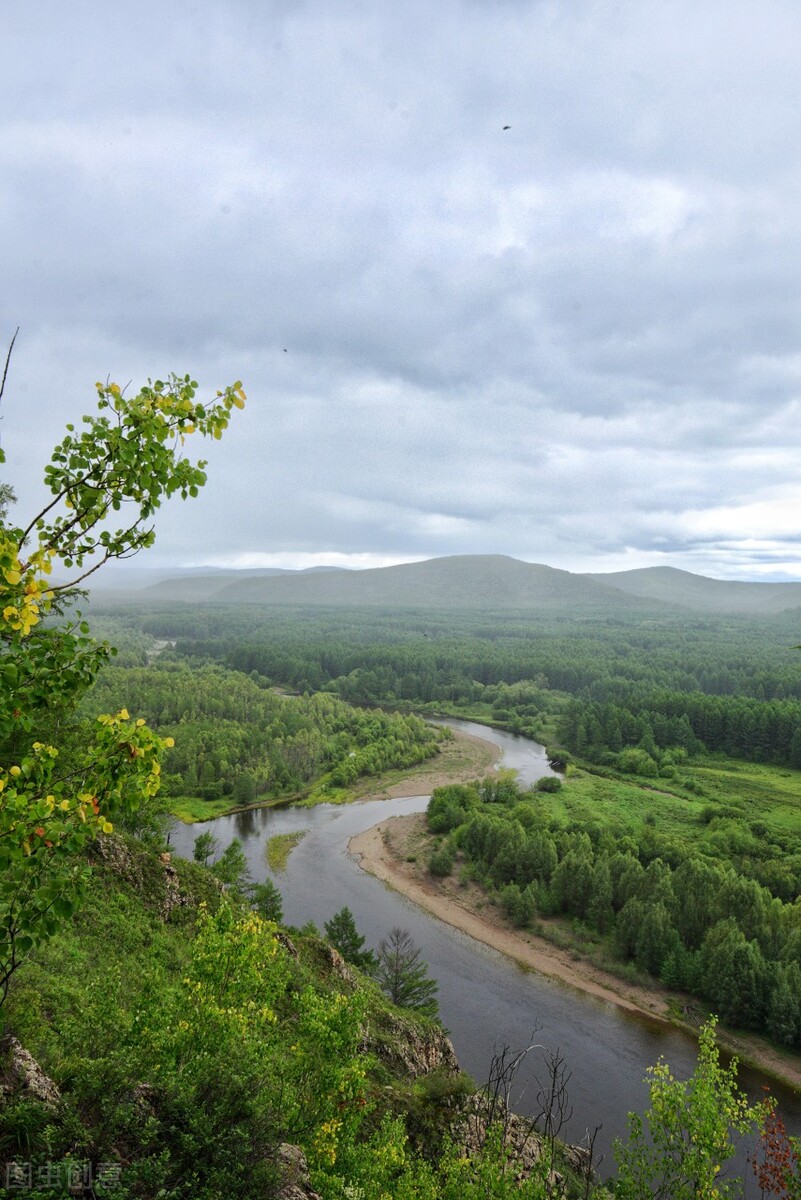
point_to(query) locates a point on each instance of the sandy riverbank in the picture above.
(385, 851)
(461, 759)
(382, 850)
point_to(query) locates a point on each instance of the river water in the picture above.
(486, 1002)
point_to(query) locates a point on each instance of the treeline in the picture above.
(759, 731)
(454, 656)
(693, 921)
(629, 692)
(234, 736)
(703, 688)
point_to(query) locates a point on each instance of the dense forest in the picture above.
(699, 922)
(603, 685)
(234, 736)
(453, 655)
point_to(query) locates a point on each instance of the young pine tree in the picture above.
(404, 976)
(342, 933)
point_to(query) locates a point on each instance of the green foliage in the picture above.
(519, 904)
(126, 455)
(634, 761)
(507, 660)
(695, 923)
(669, 686)
(231, 868)
(265, 898)
(441, 861)
(549, 783)
(679, 1151)
(450, 805)
(54, 799)
(342, 933)
(404, 976)
(206, 847)
(227, 727)
(386, 1165)
(197, 1049)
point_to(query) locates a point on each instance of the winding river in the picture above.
(486, 1002)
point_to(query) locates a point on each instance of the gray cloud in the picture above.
(576, 340)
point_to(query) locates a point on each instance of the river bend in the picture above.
(486, 1001)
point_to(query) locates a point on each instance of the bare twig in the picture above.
(503, 1071)
(553, 1103)
(8, 360)
(592, 1163)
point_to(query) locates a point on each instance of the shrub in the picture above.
(634, 761)
(548, 783)
(441, 861)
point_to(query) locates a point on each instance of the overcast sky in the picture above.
(576, 341)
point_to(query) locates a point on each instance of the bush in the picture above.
(548, 783)
(634, 761)
(519, 904)
(441, 861)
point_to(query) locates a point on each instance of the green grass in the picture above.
(191, 808)
(280, 847)
(625, 805)
(765, 793)
(682, 808)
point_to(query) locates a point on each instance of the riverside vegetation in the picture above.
(192, 1042)
(236, 741)
(680, 813)
(184, 1045)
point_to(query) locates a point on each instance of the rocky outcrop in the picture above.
(172, 888)
(21, 1077)
(527, 1149)
(409, 1048)
(154, 878)
(336, 965)
(293, 1172)
(286, 941)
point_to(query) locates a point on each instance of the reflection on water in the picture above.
(246, 823)
(486, 1002)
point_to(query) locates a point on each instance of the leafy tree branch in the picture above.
(53, 804)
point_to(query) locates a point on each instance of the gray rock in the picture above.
(286, 941)
(172, 889)
(294, 1175)
(411, 1049)
(21, 1077)
(336, 964)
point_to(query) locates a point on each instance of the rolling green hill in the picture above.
(478, 583)
(667, 585)
(482, 582)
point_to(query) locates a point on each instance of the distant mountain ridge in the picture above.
(187, 583)
(477, 582)
(670, 585)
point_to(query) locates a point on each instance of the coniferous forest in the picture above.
(673, 837)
